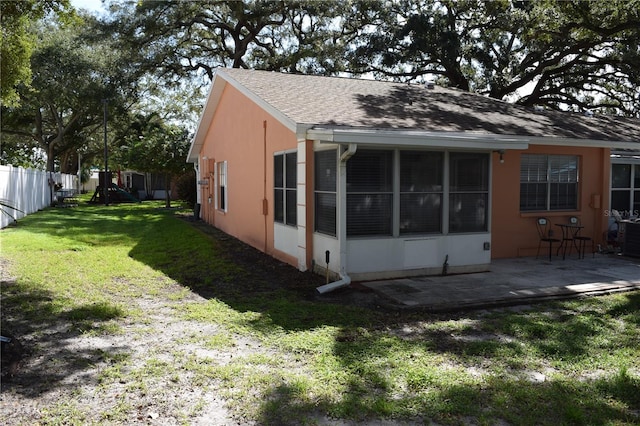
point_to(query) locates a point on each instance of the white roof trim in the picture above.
(398, 137)
(215, 92)
(416, 138)
(219, 82)
(589, 143)
(270, 109)
(625, 157)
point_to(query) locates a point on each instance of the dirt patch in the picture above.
(63, 370)
(55, 370)
(264, 273)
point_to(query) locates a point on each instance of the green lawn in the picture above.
(574, 362)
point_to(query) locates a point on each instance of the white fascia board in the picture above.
(625, 157)
(220, 80)
(215, 92)
(416, 138)
(302, 131)
(588, 143)
(270, 109)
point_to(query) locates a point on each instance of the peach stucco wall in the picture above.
(246, 136)
(513, 233)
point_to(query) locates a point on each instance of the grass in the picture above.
(301, 360)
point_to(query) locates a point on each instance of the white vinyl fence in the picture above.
(27, 191)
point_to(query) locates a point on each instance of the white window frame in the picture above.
(287, 191)
(333, 193)
(634, 191)
(222, 186)
(547, 182)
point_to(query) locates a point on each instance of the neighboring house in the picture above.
(144, 186)
(394, 179)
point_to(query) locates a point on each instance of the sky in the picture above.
(91, 5)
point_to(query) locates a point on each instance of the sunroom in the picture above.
(400, 203)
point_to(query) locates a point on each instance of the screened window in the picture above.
(625, 189)
(548, 182)
(325, 191)
(636, 191)
(468, 192)
(421, 176)
(370, 193)
(222, 186)
(285, 194)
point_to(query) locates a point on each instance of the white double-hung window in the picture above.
(548, 182)
(284, 192)
(625, 189)
(221, 186)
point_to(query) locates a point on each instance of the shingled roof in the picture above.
(313, 102)
(350, 102)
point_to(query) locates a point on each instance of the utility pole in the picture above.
(107, 182)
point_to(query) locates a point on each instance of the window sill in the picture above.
(550, 213)
(285, 225)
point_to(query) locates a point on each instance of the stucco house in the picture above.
(387, 179)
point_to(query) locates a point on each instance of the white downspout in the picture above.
(348, 154)
(344, 280)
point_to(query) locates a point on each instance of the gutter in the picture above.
(344, 280)
(348, 153)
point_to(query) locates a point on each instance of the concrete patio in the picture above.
(513, 282)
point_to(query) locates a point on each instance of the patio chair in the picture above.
(615, 233)
(581, 240)
(546, 235)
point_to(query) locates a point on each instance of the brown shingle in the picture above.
(359, 103)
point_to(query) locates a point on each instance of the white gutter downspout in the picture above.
(344, 280)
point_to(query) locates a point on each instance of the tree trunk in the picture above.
(167, 186)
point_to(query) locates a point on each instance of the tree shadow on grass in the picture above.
(376, 350)
(44, 353)
(629, 309)
(396, 376)
(367, 398)
(218, 266)
(502, 401)
(368, 336)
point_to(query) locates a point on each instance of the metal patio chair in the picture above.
(581, 240)
(546, 235)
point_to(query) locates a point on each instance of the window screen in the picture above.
(421, 177)
(468, 192)
(370, 193)
(325, 191)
